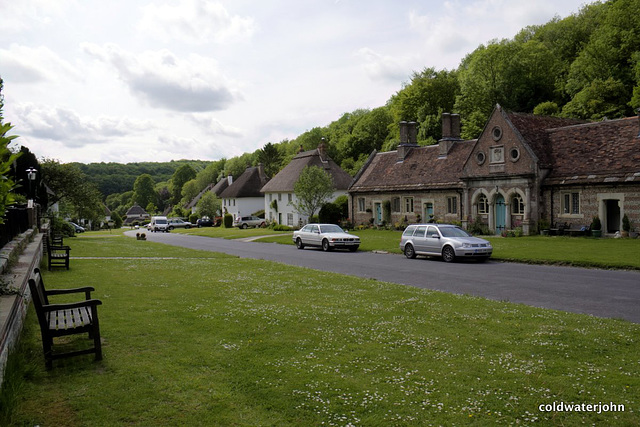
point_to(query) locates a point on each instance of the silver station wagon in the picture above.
(448, 241)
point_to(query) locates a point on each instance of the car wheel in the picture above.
(243, 226)
(299, 243)
(448, 254)
(409, 252)
(325, 245)
(187, 227)
(170, 228)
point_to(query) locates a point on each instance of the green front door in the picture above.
(501, 214)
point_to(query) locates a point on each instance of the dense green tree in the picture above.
(144, 192)
(181, 176)
(271, 159)
(7, 158)
(312, 189)
(189, 191)
(598, 100)
(423, 100)
(77, 196)
(209, 205)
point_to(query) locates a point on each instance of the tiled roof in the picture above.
(422, 168)
(287, 177)
(533, 130)
(606, 151)
(247, 185)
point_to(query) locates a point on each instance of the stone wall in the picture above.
(27, 251)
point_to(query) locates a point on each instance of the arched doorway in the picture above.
(500, 210)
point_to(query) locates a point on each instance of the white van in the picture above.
(159, 223)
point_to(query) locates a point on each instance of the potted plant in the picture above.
(596, 227)
(543, 226)
(626, 226)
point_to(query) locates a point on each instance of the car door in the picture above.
(314, 236)
(431, 243)
(418, 238)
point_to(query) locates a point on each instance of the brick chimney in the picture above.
(322, 150)
(408, 139)
(450, 132)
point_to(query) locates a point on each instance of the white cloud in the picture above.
(24, 64)
(163, 80)
(384, 67)
(26, 14)
(70, 129)
(195, 21)
(211, 126)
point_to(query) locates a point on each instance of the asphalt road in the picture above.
(601, 293)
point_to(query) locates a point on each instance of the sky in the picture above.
(141, 80)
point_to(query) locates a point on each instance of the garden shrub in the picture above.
(228, 221)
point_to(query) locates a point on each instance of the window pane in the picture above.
(575, 206)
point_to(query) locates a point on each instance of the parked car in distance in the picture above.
(76, 227)
(178, 223)
(248, 221)
(445, 240)
(206, 221)
(325, 236)
(159, 223)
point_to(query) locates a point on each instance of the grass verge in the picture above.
(209, 339)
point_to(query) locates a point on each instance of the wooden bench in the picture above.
(58, 320)
(58, 254)
(578, 230)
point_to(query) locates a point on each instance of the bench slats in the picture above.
(69, 319)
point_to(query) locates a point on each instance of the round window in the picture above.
(497, 133)
(480, 157)
(514, 153)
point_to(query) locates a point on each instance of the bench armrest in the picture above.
(70, 291)
(86, 289)
(79, 304)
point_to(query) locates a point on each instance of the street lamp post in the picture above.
(31, 175)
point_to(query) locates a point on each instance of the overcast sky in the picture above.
(141, 80)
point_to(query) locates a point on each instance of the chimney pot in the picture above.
(446, 125)
(404, 132)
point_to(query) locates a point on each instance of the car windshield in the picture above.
(454, 232)
(330, 229)
(161, 221)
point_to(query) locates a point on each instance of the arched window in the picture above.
(517, 205)
(483, 204)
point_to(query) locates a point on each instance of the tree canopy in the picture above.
(313, 188)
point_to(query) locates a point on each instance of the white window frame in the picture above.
(408, 204)
(517, 205)
(483, 204)
(570, 204)
(452, 205)
(362, 204)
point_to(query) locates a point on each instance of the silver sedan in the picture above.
(325, 236)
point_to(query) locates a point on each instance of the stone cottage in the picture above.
(522, 168)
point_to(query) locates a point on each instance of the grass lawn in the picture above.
(210, 339)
